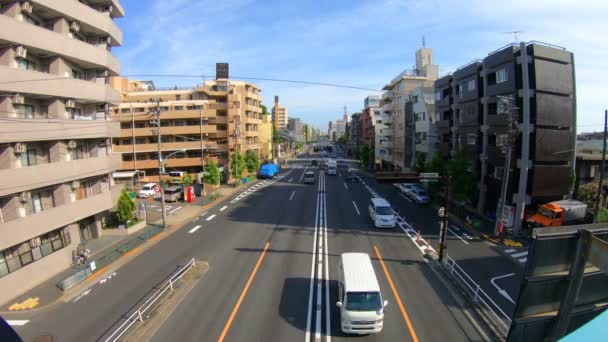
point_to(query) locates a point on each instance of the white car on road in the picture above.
(147, 190)
(405, 188)
(419, 195)
(381, 213)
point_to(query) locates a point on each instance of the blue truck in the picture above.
(269, 170)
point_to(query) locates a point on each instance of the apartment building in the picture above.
(280, 115)
(425, 136)
(265, 138)
(55, 153)
(295, 126)
(209, 122)
(472, 117)
(397, 93)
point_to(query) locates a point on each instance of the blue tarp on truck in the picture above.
(268, 170)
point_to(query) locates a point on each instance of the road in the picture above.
(265, 249)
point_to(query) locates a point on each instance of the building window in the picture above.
(77, 74)
(178, 97)
(471, 85)
(178, 108)
(25, 253)
(125, 110)
(24, 111)
(501, 139)
(25, 64)
(415, 99)
(501, 76)
(420, 116)
(471, 139)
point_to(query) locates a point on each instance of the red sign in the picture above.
(156, 188)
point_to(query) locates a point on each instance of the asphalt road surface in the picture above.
(273, 268)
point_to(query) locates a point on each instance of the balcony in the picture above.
(86, 15)
(188, 145)
(38, 176)
(32, 82)
(387, 107)
(221, 134)
(252, 133)
(26, 34)
(387, 132)
(153, 163)
(25, 228)
(170, 130)
(39, 130)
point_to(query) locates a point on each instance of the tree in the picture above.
(264, 110)
(124, 207)
(252, 161)
(212, 174)
(420, 163)
(463, 182)
(276, 136)
(237, 165)
(363, 154)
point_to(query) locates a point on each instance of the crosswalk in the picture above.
(519, 255)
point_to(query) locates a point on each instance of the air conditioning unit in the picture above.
(107, 8)
(75, 185)
(102, 73)
(18, 99)
(75, 26)
(107, 40)
(20, 147)
(21, 51)
(70, 103)
(26, 7)
(72, 144)
(24, 196)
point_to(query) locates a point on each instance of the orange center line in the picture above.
(410, 327)
(243, 294)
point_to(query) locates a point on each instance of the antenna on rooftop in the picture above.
(514, 33)
(423, 42)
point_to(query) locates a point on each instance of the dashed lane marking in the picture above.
(17, 322)
(292, 193)
(517, 255)
(210, 217)
(194, 229)
(224, 208)
(357, 209)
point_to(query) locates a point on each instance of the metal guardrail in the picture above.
(479, 297)
(138, 315)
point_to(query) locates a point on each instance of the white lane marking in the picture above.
(510, 250)
(176, 209)
(292, 193)
(522, 260)
(500, 290)
(224, 208)
(17, 322)
(302, 176)
(458, 236)
(312, 273)
(517, 255)
(203, 214)
(357, 209)
(345, 187)
(194, 229)
(327, 308)
(79, 297)
(290, 179)
(194, 220)
(210, 217)
(454, 227)
(407, 198)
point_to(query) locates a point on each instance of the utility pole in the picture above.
(443, 214)
(599, 189)
(505, 106)
(160, 163)
(133, 140)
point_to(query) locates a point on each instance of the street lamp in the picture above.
(161, 170)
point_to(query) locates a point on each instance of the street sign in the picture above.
(441, 212)
(429, 175)
(156, 189)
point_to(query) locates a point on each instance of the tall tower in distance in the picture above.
(424, 62)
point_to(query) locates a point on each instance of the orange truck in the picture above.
(559, 213)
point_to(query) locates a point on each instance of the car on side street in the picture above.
(404, 188)
(309, 177)
(351, 176)
(147, 190)
(419, 195)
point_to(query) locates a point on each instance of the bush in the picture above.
(252, 161)
(124, 207)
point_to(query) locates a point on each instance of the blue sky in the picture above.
(358, 43)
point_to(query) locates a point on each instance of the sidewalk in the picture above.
(108, 252)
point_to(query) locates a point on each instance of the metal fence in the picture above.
(492, 311)
(138, 314)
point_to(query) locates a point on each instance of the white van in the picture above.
(147, 190)
(332, 167)
(381, 213)
(359, 298)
